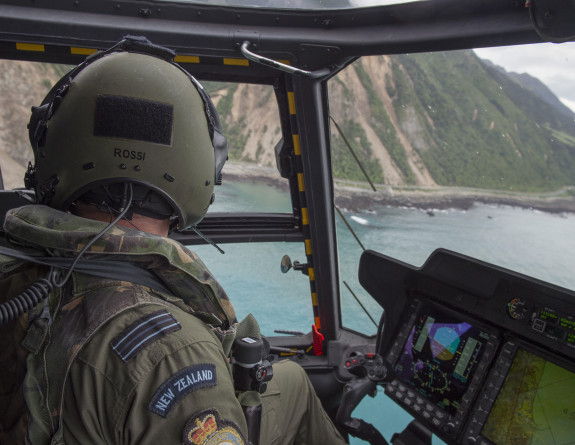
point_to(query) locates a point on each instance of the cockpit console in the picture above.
(480, 354)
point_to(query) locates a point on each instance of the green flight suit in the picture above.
(114, 362)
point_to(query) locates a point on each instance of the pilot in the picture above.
(127, 146)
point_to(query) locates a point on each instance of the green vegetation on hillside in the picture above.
(231, 129)
(61, 69)
(563, 137)
(343, 163)
(471, 124)
(481, 128)
(212, 87)
(383, 127)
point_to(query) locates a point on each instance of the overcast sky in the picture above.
(553, 64)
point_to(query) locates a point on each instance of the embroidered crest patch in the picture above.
(206, 428)
(146, 330)
(184, 382)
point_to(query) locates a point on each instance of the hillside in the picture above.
(464, 123)
(22, 85)
(446, 119)
(426, 120)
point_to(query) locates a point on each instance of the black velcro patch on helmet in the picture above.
(132, 118)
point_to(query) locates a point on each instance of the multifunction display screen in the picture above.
(440, 357)
(536, 404)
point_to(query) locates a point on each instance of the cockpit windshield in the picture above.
(470, 150)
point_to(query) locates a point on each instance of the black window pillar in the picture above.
(313, 127)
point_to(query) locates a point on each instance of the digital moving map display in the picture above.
(440, 357)
(470, 387)
(535, 406)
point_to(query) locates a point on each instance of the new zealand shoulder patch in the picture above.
(206, 428)
(184, 382)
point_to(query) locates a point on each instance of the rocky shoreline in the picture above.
(356, 198)
(430, 200)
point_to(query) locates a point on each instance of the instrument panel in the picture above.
(439, 362)
(481, 354)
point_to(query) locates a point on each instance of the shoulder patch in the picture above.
(206, 428)
(146, 330)
(184, 382)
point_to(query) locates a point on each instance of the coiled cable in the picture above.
(43, 287)
(29, 299)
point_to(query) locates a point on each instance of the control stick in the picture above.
(372, 370)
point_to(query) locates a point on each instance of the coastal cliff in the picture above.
(443, 129)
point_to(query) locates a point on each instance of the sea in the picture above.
(532, 242)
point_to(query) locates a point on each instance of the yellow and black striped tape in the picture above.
(79, 51)
(303, 204)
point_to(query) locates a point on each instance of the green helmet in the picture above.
(128, 117)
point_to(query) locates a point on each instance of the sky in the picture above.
(553, 64)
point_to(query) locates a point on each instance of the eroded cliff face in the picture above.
(350, 101)
(252, 125)
(368, 88)
(22, 85)
(254, 113)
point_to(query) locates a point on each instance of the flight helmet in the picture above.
(128, 115)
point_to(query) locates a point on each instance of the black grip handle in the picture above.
(354, 392)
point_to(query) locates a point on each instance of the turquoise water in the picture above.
(531, 242)
(534, 243)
